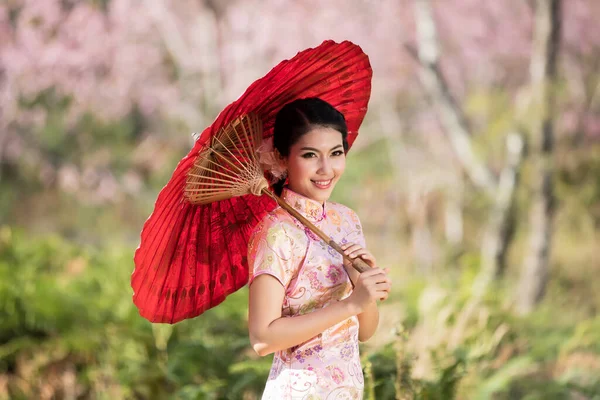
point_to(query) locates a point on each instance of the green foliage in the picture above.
(502, 378)
(393, 368)
(65, 308)
(585, 337)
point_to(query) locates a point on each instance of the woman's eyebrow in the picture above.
(317, 150)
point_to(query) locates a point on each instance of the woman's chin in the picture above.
(321, 195)
(314, 192)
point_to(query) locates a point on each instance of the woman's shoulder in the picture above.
(341, 209)
(275, 221)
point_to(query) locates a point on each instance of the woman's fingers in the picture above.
(350, 247)
(365, 255)
(380, 291)
(353, 253)
(372, 272)
(384, 296)
(384, 286)
(377, 279)
(376, 282)
(353, 250)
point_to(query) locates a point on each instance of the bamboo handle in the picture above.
(357, 263)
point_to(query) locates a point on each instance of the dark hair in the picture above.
(297, 118)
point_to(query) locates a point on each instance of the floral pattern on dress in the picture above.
(326, 366)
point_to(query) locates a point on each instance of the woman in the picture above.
(305, 305)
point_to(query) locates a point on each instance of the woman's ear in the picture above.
(281, 160)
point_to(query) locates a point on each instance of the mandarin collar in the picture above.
(311, 209)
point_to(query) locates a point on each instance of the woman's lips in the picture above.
(322, 184)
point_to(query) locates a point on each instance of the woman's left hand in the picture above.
(353, 250)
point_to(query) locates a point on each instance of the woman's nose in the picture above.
(324, 166)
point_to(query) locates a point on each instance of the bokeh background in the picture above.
(476, 175)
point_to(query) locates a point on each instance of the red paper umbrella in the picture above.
(192, 256)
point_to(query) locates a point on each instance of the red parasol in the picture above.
(192, 256)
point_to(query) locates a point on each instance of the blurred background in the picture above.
(476, 175)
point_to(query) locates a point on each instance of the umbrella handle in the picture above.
(357, 263)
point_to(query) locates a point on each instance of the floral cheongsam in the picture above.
(312, 273)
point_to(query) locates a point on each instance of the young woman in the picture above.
(306, 306)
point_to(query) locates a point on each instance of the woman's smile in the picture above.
(323, 184)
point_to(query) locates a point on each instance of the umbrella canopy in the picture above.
(191, 256)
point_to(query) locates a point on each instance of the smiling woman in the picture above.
(306, 305)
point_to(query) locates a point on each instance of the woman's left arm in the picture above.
(368, 319)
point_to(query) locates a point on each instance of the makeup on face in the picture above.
(315, 163)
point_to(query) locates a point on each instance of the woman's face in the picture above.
(315, 163)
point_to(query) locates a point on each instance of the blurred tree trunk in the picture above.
(543, 73)
(453, 216)
(421, 239)
(498, 231)
(500, 228)
(449, 111)
(3, 142)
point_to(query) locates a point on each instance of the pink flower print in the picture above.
(314, 280)
(336, 374)
(334, 274)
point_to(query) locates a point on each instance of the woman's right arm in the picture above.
(270, 332)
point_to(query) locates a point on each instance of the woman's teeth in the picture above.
(322, 184)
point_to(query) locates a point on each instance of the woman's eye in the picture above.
(337, 153)
(309, 155)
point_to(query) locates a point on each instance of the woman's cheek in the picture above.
(340, 165)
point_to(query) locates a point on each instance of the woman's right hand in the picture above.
(372, 285)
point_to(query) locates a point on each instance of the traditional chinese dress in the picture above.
(328, 365)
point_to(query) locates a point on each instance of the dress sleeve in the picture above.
(270, 251)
